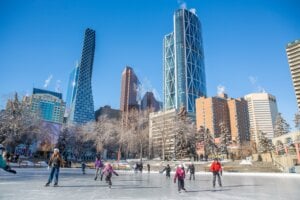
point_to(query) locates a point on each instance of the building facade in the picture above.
(129, 93)
(183, 63)
(48, 105)
(149, 102)
(82, 107)
(108, 112)
(72, 86)
(262, 109)
(162, 134)
(232, 113)
(293, 54)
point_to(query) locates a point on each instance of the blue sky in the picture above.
(244, 45)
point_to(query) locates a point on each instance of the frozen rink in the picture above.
(29, 184)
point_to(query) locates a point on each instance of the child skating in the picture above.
(216, 169)
(107, 172)
(168, 171)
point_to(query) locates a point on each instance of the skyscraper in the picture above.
(293, 54)
(183, 62)
(82, 108)
(48, 105)
(129, 90)
(262, 109)
(72, 86)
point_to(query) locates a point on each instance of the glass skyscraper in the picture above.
(72, 85)
(82, 104)
(48, 105)
(183, 63)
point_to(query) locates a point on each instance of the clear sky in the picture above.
(244, 45)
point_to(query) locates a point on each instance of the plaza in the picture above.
(73, 185)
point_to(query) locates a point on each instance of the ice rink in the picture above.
(29, 184)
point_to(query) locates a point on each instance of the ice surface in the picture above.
(29, 184)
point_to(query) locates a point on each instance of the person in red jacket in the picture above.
(180, 175)
(216, 169)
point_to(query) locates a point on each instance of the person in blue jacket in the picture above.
(3, 164)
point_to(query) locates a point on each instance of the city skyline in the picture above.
(245, 39)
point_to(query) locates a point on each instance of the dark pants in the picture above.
(216, 174)
(54, 172)
(192, 175)
(108, 179)
(180, 184)
(168, 174)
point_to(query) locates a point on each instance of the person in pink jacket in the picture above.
(108, 171)
(180, 175)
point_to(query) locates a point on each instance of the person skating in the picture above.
(54, 163)
(107, 172)
(168, 171)
(98, 167)
(216, 169)
(180, 176)
(191, 169)
(148, 167)
(83, 166)
(3, 164)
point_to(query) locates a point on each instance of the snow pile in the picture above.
(246, 162)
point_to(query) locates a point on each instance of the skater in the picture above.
(216, 169)
(3, 163)
(98, 167)
(141, 167)
(108, 171)
(180, 175)
(168, 171)
(148, 167)
(83, 166)
(191, 168)
(54, 163)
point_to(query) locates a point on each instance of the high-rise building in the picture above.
(183, 63)
(129, 89)
(262, 109)
(239, 119)
(149, 102)
(211, 112)
(293, 54)
(129, 93)
(232, 113)
(72, 86)
(48, 105)
(82, 107)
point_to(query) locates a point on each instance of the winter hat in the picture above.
(180, 165)
(56, 150)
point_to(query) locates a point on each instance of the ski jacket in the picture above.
(180, 174)
(98, 164)
(191, 168)
(108, 171)
(2, 162)
(55, 160)
(215, 167)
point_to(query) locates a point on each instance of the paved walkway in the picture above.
(28, 184)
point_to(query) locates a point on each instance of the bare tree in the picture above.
(281, 126)
(18, 125)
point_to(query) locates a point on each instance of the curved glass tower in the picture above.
(183, 63)
(82, 106)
